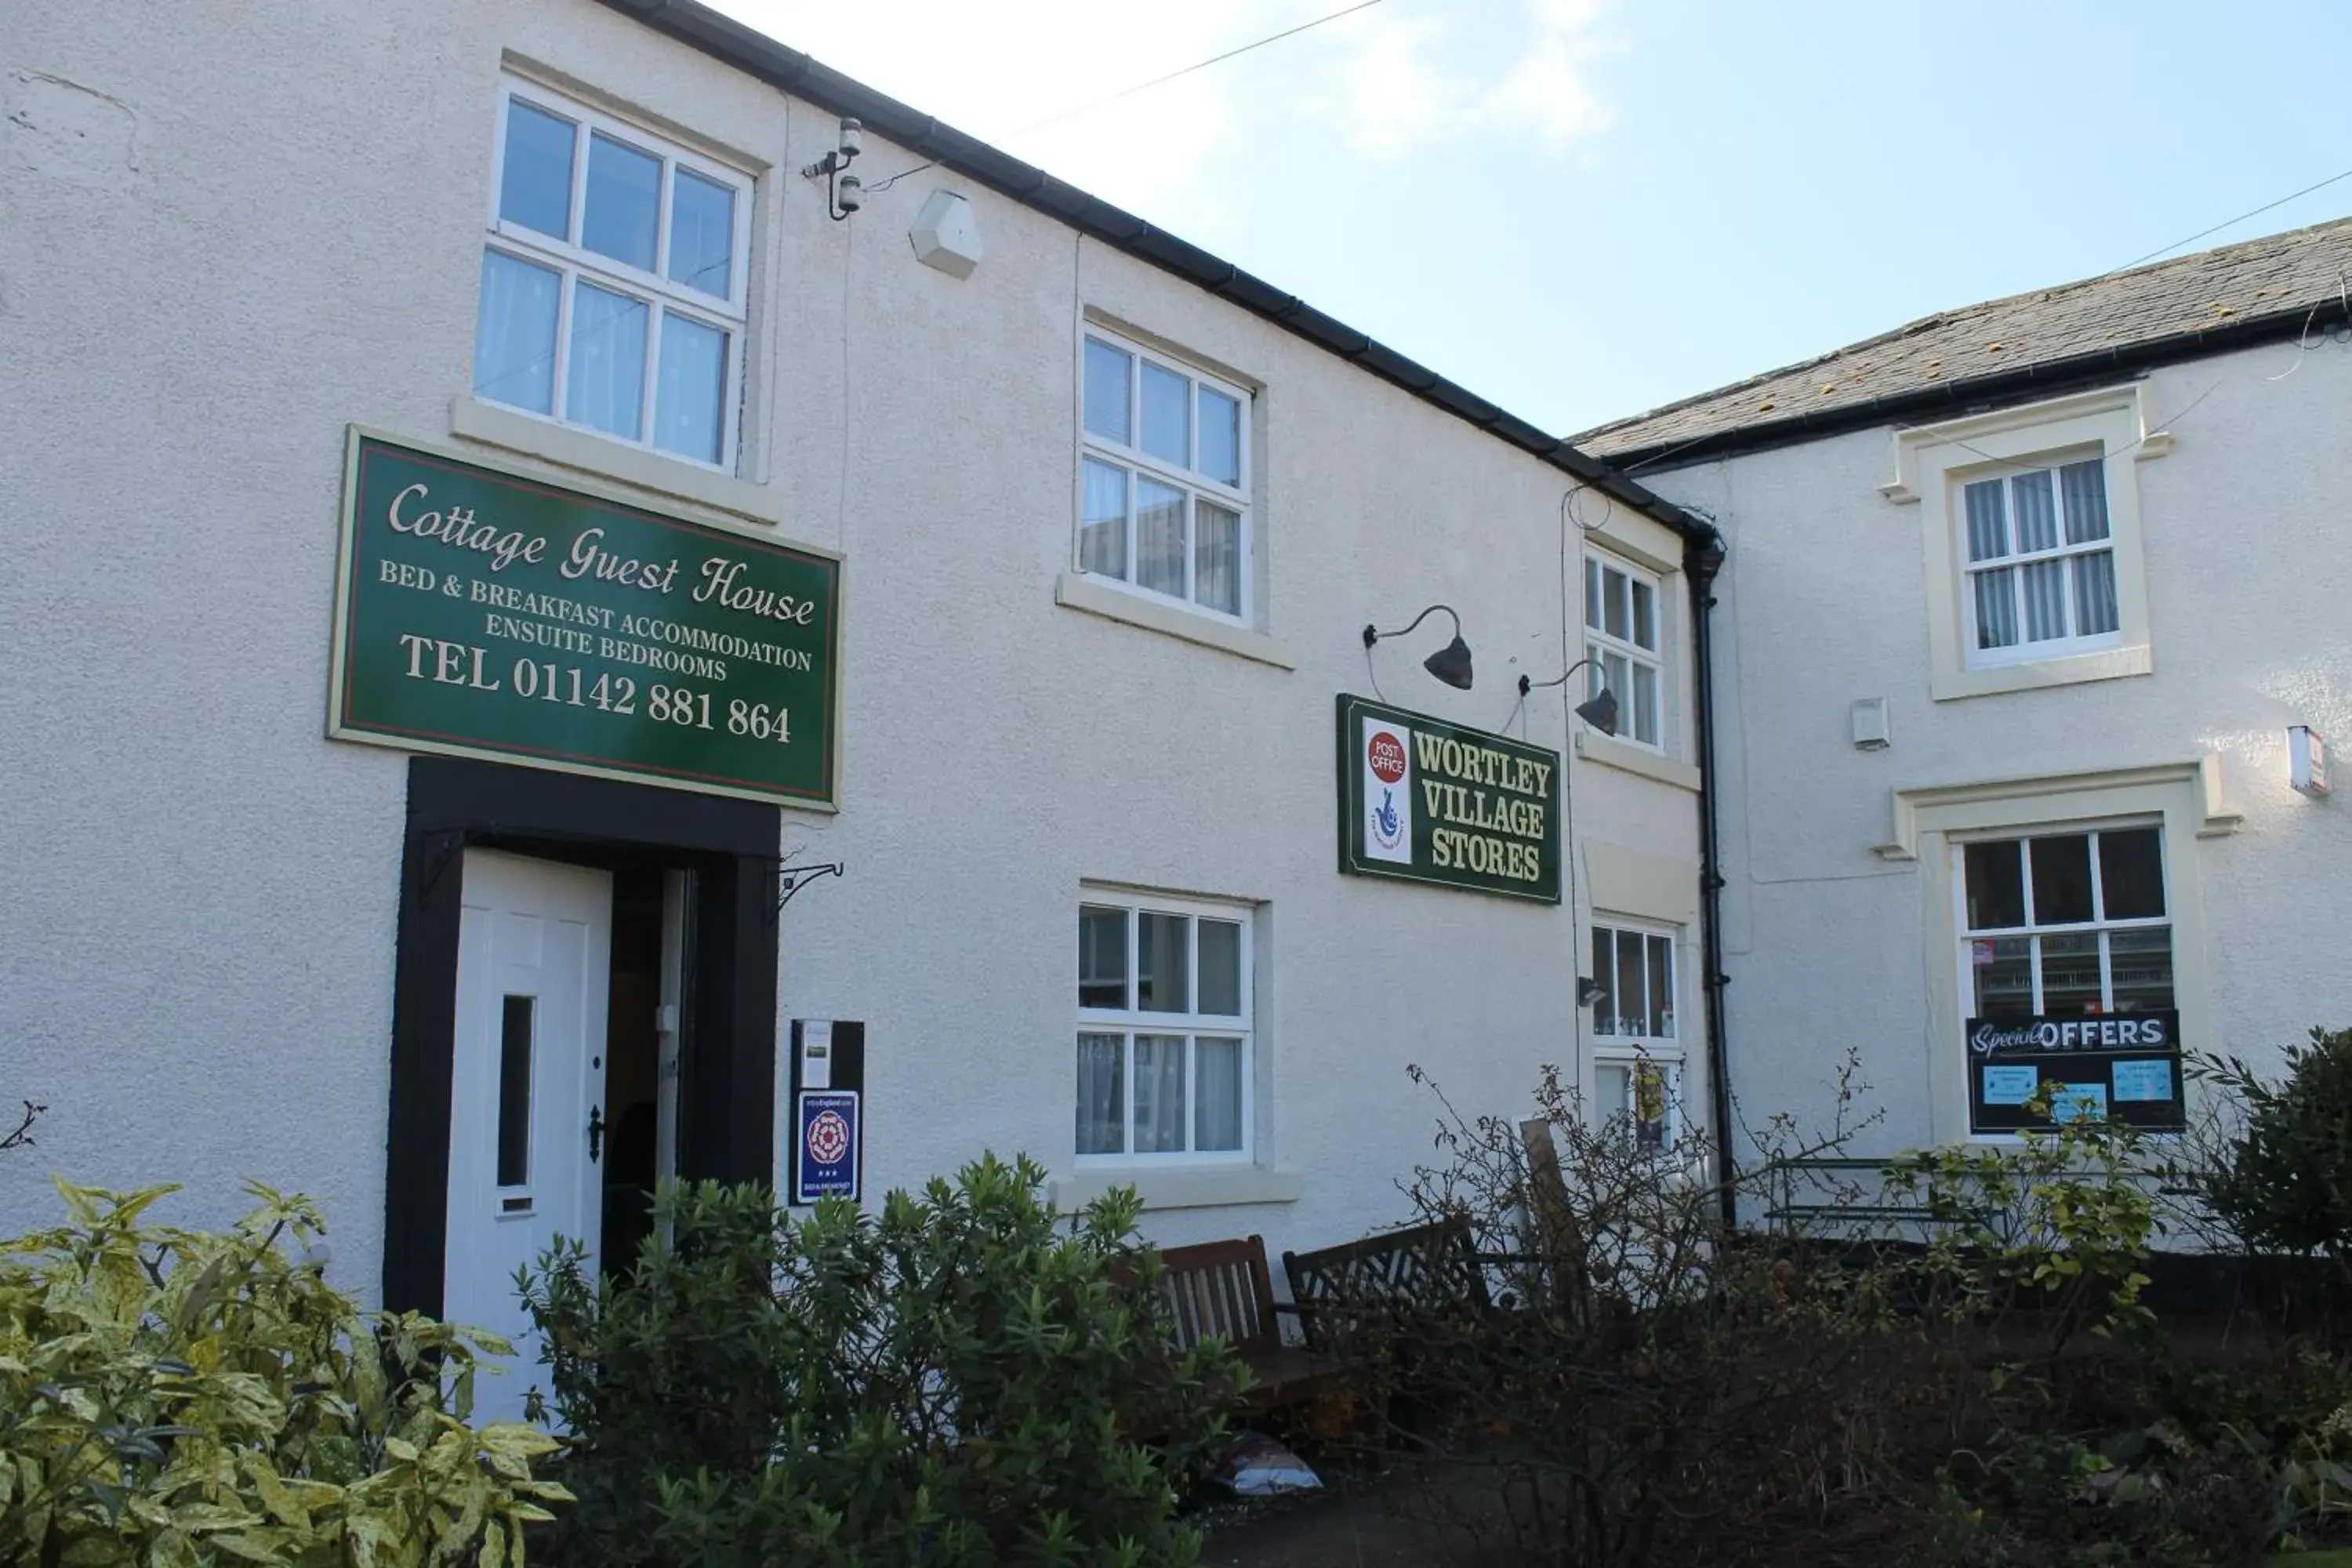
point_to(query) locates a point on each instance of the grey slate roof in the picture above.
(2194, 304)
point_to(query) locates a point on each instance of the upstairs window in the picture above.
(613, 281)
(1622, 640)
(1164, 477)
(2041, 563)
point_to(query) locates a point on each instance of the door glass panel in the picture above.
(515, 1032)
(2062, 879)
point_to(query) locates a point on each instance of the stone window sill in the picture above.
(1075, 591)
(1610, 752)
(472, 419)
(2109, 664)
(1183, 1187)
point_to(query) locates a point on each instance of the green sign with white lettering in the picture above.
(482, 613)
(1425, 801)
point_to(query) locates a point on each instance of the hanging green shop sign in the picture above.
(1427, 801)
(484, 614)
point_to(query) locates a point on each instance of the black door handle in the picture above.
(596, 1134)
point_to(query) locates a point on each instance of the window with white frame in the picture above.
(2066, 925)
(1622, 640)
(1637, 1056)
(614, 280)
(2041, 563)
(1163, 486)
(1164, 1030)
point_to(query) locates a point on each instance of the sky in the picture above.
(1580, 209)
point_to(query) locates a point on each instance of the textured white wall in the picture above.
(223, 243)
(2248, 575)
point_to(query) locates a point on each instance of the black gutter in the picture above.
(788, 70)
(2046, 379)
(1700, 564)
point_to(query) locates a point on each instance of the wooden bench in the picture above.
(1221, 1289)
(1383, 1281)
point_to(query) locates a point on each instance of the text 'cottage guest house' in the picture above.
(550, 648)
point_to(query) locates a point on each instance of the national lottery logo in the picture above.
(1384, 753)
(828, 1137)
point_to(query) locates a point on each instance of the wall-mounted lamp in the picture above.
(1588, 990)
(845, 192)
(1450, 664)
(1600, 711)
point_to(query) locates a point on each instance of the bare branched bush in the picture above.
(1636, 1373)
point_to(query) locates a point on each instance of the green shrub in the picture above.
(958, 1380)
(2284, 1182)
(2062, 1223)
(173, 1398)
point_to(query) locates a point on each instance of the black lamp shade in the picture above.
(1601, 712)
(1451, 664)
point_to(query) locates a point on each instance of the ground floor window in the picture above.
(1165, 1057)
(1637, 1057)
(2067, 966)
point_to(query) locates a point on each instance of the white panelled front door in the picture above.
(526, 1095)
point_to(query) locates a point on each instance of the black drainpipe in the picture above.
(1702, 559)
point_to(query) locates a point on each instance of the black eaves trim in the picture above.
(790, 71)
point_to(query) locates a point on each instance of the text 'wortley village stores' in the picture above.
(1428, 800)
(679, 652)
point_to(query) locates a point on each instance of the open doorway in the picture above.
(510, 1113)
(647, 1008)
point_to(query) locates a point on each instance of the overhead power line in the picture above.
(1127, 92)
(2232, 223)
